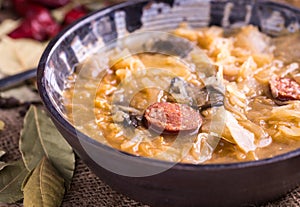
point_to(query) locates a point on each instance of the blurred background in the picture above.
(27, 24)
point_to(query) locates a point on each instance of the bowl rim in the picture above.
(51, 109)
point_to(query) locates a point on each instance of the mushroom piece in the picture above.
(201, 98)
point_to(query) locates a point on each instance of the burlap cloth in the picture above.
(87, 189)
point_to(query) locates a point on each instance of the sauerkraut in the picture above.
(242, 121)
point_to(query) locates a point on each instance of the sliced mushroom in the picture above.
(208, 97)
(133, 120)
(179, 90)
(201, 98)
(128, 115)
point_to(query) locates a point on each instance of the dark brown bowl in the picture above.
(237, 184)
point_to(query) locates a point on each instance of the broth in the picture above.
(262, 118)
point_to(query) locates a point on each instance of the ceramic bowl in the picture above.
(236, 184)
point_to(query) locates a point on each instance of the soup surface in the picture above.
(236, 99)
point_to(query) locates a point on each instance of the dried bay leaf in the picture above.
(17, 55)
(44, 187)
(7, 26)
(21, 93)
(2, 164)
(60, 12)
(9, 63)
(40, 138)
(2, 125)
(2, 152)
(11, 179)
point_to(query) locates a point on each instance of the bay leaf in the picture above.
(44, 187)
(60, 13)
(11, 179)
(2, 125)
(2, 152)
(7, 26)
(40, 138)
(2, 164)
(22, 93)
(17, 55)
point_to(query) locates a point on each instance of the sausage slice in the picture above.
(284, 89)
(172, 118)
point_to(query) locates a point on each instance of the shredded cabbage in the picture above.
(243, 137)
(292, 131)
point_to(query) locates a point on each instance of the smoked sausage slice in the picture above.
(284, 89)
(172, 118)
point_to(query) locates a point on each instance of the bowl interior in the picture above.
(89, 34)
